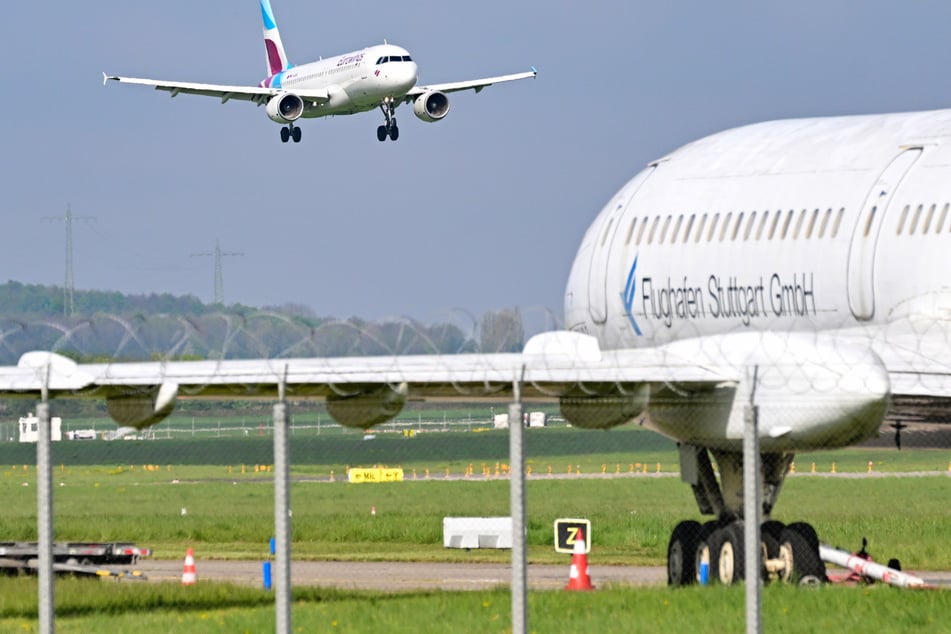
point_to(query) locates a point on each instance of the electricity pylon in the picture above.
(219, 276)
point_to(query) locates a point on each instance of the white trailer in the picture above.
(30, 433)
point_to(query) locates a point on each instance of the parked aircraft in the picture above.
(793, 270)
(381, 76)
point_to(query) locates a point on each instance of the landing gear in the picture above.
(389, 127)
(290, 131)
(790, 553)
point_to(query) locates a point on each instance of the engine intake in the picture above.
(431, 106)
(285, 108)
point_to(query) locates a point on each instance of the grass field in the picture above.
(84, 606)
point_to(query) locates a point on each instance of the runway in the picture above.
(395, 576)
(406, 576)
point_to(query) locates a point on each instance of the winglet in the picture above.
(105, 78)
(534, 72)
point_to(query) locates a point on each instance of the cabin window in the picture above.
(915, 219)
(786, 224)
(650, 236)
(630, 231)
(825, 222)
(762, 225)
(749, 226)
(812, 224)
(703, 221)
(838, 222)
(871, 219)
(713, 227)
(799, 221)
(726, 226)
(941, 218)
(607, 230)
(640, 234)
(663, 232)
(680, 222)
(736, 228)
(772, 228)
(928, 219)
(690, 222)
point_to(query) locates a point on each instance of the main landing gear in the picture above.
(290, 131)
(714, 550)
(389, 128)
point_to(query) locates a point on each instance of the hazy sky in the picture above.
(481, 210)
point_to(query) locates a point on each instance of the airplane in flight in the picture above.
(382, 76)
(795, 271)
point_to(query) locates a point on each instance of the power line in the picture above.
(69, 285)
(219, 276)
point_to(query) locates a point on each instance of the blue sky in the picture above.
(482, 210)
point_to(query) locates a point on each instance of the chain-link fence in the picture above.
(432, 483)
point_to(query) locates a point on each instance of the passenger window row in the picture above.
(755, 225)
(922, 220)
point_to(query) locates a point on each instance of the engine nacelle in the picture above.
(285, 108)
(604, 411)
(143, 409)
(431, 106)
(367, 409)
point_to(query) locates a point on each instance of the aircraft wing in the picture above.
(256, 94)
(546, 369)
(474, 84)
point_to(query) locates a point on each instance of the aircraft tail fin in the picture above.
(276, 57)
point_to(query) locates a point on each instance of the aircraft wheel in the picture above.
(285, 135)
(381, 133)
(799, 547)
(726, 553)
(394, 131)
(681, 554)
(296, 133)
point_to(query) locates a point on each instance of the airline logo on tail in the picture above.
(630, 290)
(276, 57)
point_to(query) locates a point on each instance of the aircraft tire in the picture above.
(296, 133)
(799, 545)
(682, 554)
(381, 133)
(285, 135)
(727, 563)
(394, 131)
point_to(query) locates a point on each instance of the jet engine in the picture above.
(431, 106)
(369, 408)
(143, 409)
(285, 108)
(614, 407)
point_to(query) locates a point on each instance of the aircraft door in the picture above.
(601, 249)
(861, 266)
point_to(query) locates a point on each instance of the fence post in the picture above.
(517, 508)
(282, 499)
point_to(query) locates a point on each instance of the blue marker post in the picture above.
(266, 568)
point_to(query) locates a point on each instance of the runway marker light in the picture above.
(792, 467)
(869, 466)
(813, 467)
(833, 467)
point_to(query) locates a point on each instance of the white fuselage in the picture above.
(355, 82)
(809, 224)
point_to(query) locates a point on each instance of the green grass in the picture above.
(84, 606)
(231, 515)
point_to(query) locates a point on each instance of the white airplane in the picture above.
(796, 267)
(382, 76)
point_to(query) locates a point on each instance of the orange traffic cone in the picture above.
(578, 578)
(189, 577)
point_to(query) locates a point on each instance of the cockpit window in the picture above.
(393, 58)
